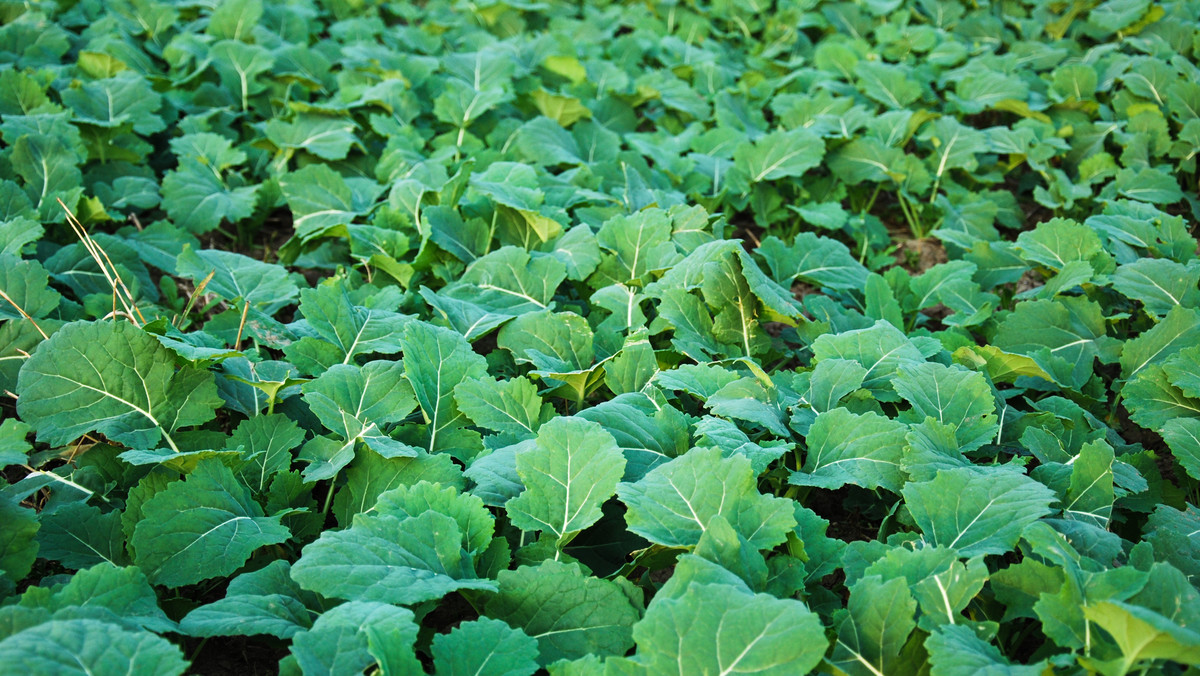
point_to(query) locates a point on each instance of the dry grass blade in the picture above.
(24, 314)
(121, 292)
(196, 293)
(237, 344)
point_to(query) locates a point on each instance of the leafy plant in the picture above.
(509, 338)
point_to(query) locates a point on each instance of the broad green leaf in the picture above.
(1068, 328)
(646, 436)
(1144, 635)
(672, 504)
(881, 349)
(78, 536)
(49, 168)
(356, 402)
(955, 650)
(571, 470)
(435, 361)
(235, 20)
(951, 395)
(198, 199)
(570, 614)
(510, 407)
(475, 522)
(1090, 496)
(721, 629)
(87, 647)
(266, 601)
(343, 330)
(639, 243)
(26, 288)
(348, 639)
(845, 448)
(1180, 328)
(891, 85)
(267, 442)
(1056, 242)
(813, 259)
(237, 277)
(204, 526)
(113, 102)
(976, 511)
(1158, 284)
(388, 559)
(18, 544)
(779, 154)
(1183, 437)
(1153, 401)
(880, 616)
(371, 474)
(329, 138)
(1175, 535)
(112, 378)
(517, 280)
(484, 647)
(14, 448)
(320, 201)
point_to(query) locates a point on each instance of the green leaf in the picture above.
(198, 199)
(976, 511)
(129, 389)
(569, 614)
(264, 286)
(78, 536)
(1090, 495)
(13, 446)
(813, 259)
(891, 85)
(371, 474)
(571, 470)
(1072, 329)
(719, 628)
(49, 168)
(388, 559)
(510, 407)
(267, 442)
(343, 330)
(881, 349)
(1183, 437)
(329, 138)
(880, 616)
(1159, 284)
(779, 154)
(1149, 184)
(435, 360)
(204, 526)
(1175, 535)
(955, 650)
(1179, 329)
(484, 647)
(116, 101)
(846, 448)
(673, 503)
(1144, 635)
(235, 20)
(87, 647)
(26, 286)
(320, 201)
(18, 544)
(356, 402)
(951, 395)
(350, 638)
(266, 601)
(639, 243)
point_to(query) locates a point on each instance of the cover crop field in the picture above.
(504, 338)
